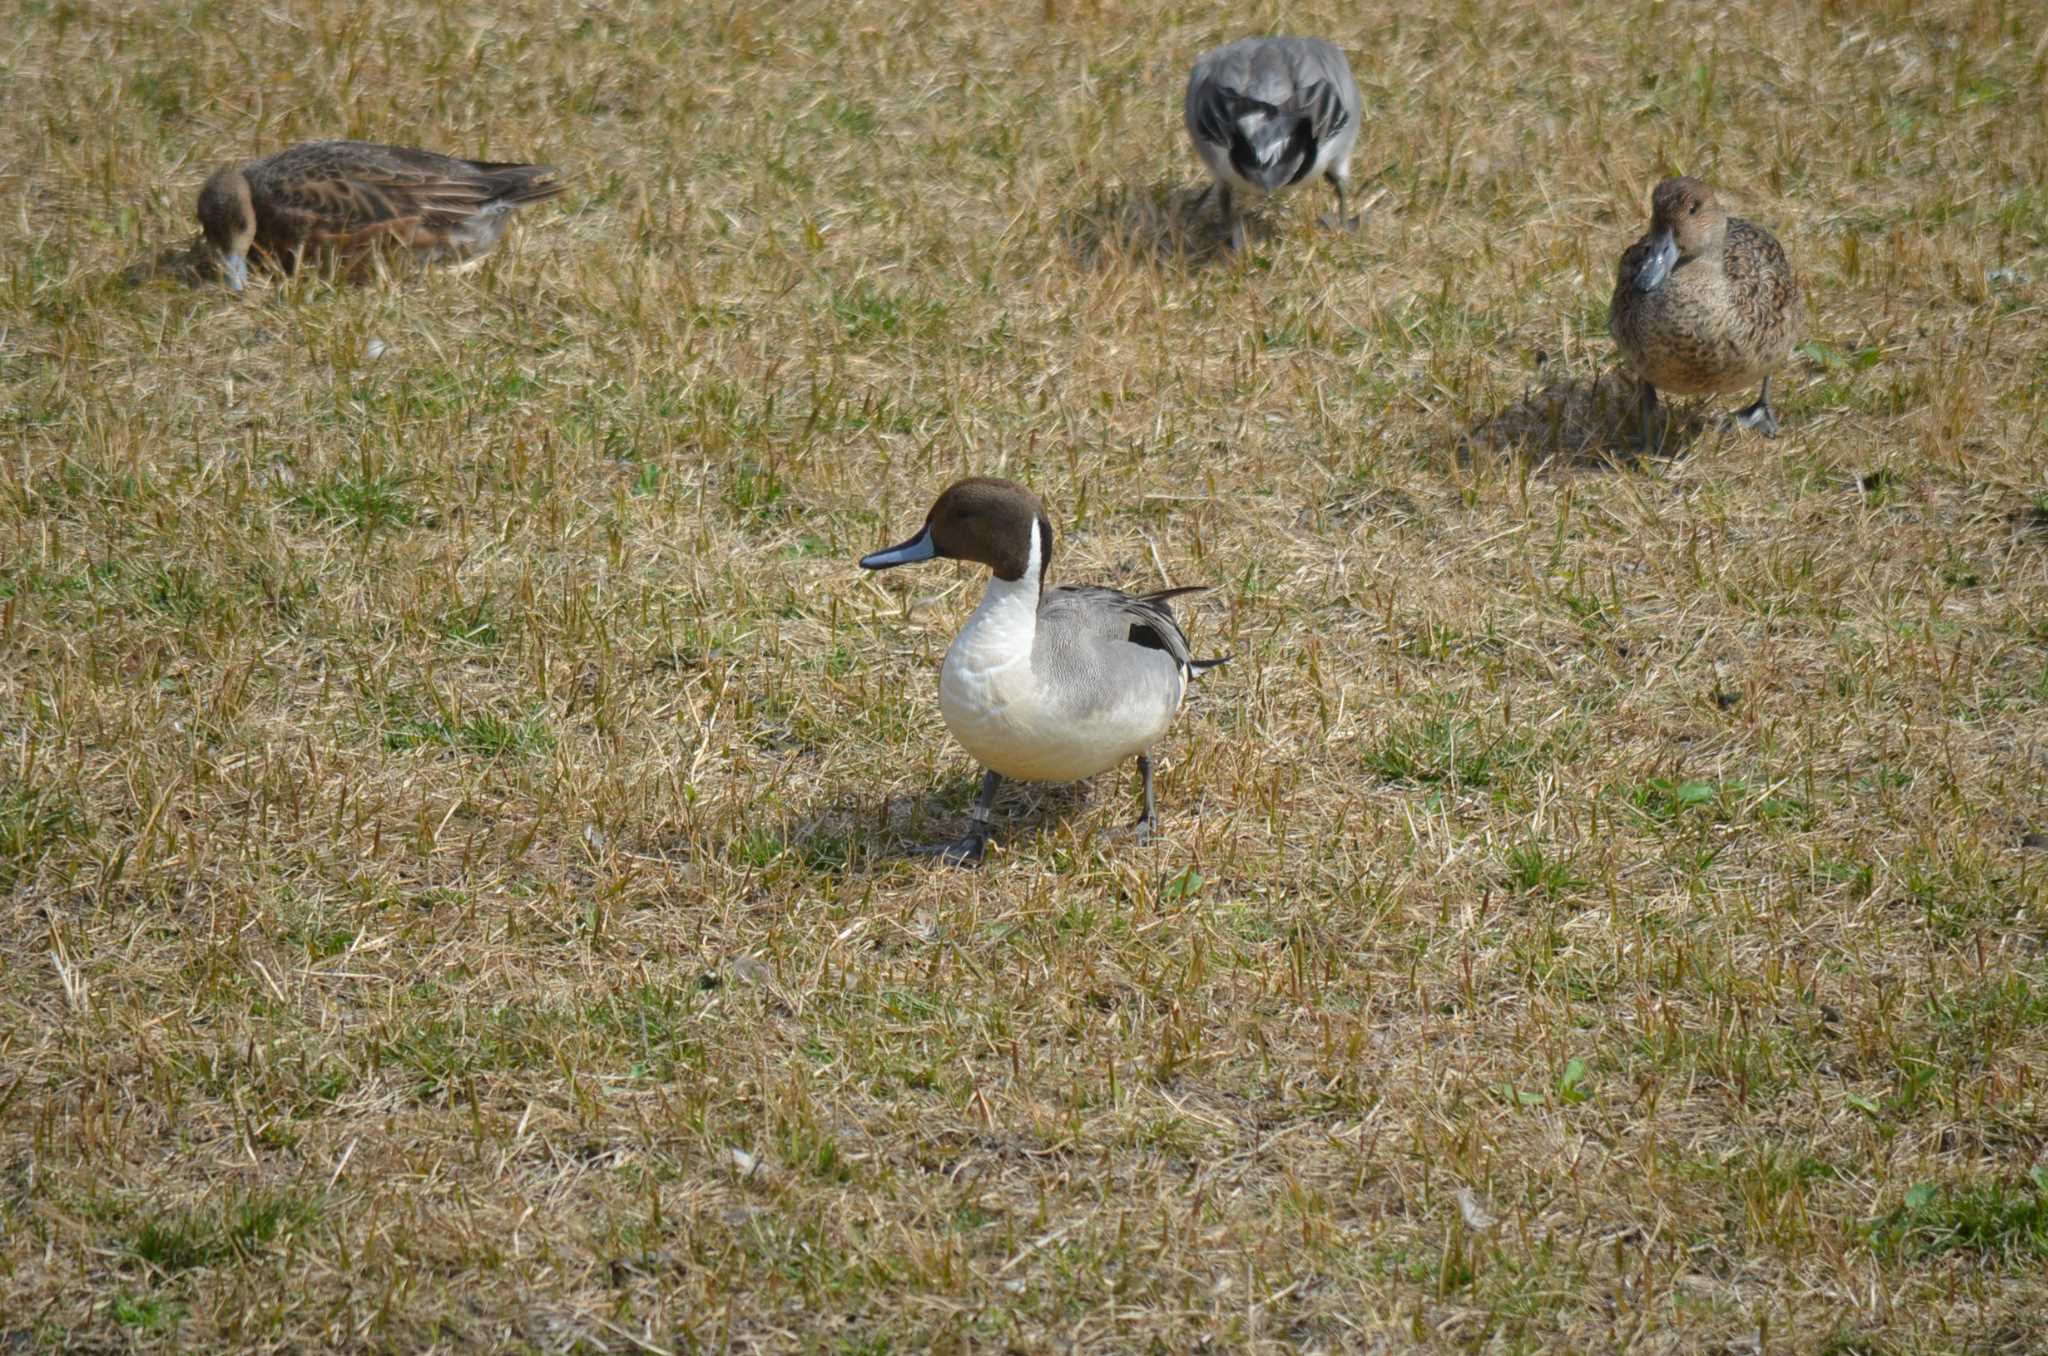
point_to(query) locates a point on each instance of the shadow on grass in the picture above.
(1582, 422)
(191, 264)
(862, 832)
(1166, 223)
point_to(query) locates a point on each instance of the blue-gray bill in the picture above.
(235, 269)
(1663, 258)
(919, 547)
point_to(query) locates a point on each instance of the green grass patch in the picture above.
(1997, 1221)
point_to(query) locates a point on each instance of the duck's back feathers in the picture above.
(1113, 619)
(1283, 75)
(345, 193)
(1762, 285)
(1302, 86)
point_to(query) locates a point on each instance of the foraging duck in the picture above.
(1045, 684)
(1266, 113)
(1704, 303)
(347, 195)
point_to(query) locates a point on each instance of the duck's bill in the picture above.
(1655, 269)
(918, 548)
(234, 268)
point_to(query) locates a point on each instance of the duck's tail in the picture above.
(1195, 667)
(510, 184)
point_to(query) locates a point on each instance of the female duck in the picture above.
(1045, 684)
(1704, 303)
(348, 195)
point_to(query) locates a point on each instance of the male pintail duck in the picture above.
(1703, 303)
(1266, 113)
(347, 195)
(1045, 684)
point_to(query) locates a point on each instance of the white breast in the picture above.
(992, 699)
(1000, 709)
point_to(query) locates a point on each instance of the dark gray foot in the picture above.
(1646, 413)
(1342, 221)
(967, 849)
(1148, 821)
(1757, 414)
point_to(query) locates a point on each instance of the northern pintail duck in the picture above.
(1266, 113)
(1045, 684)
(1704, 303)
(347, 195)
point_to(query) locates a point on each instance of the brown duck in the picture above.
(1704, 303)
(346, 196)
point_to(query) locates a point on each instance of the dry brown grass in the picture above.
(451, 802)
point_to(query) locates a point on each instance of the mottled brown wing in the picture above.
(339, 211)
(1761, 279)
(442, 187)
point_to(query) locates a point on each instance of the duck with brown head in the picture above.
(1045, 684)
(1703, 303)
(346, 196)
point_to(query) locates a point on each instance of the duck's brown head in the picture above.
(228, 216)
(1686, 220)
(998, 523)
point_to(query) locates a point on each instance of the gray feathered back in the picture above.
(1304, 80)
(1105, 646)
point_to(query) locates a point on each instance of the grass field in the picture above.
(455, 783)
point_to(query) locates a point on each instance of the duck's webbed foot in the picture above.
(1757, 414)
(967, 849)
(1343, 221)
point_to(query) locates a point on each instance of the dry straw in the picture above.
(453, 776)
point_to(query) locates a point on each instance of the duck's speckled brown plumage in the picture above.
(1724, 315)
(346, 195)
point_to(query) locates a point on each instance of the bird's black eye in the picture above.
(1693, 210)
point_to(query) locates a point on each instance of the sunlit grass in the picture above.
(455, 784)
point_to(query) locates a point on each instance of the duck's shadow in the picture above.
(191, 264)
(907, 827)
(1170, 222)
(1580, 421)
(194, 265)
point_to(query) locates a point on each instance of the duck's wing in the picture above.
(343, 192)
(1114, 617)
(1294, 77)
(1760, 277)
(1324, 89)
(1213, 91)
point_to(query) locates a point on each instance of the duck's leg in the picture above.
(1757, 415)
(1149, 820)
(1646, 410)
(966, 850)
(1233, 220)
(1343, 221)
